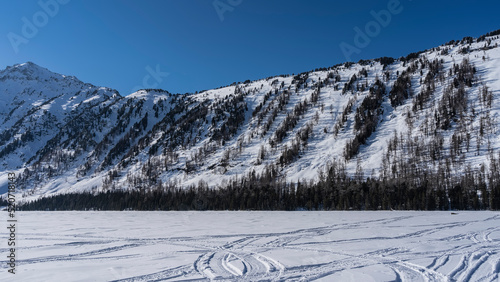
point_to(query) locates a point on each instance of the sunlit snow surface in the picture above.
(251, 246)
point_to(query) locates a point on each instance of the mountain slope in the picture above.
(36, 103)
(436, 109)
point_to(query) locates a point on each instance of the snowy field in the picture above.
(251, 246)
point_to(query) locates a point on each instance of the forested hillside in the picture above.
(416, 132)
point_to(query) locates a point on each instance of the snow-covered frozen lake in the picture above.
(251, 246)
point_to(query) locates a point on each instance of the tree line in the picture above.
(427, 190)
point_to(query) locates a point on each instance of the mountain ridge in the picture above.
(295, 125)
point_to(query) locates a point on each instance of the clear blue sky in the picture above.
(112, 43)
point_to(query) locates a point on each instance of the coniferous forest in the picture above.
(335, 191)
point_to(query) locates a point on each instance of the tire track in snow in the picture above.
(439, 262)
(487, 234)
(270, 264)
(229, 265)
(82, 256)
(427, 274)
(460, 268)
(237, 265)
(475, 261)
(495, 271)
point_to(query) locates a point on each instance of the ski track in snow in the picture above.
(257, 246)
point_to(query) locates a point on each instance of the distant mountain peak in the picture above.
(31, 71)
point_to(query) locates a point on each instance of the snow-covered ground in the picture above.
(252, 246)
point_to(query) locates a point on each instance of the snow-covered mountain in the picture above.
(435, 109)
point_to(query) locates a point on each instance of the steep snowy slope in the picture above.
(35, 103)
(300, 124)
(436, 109)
